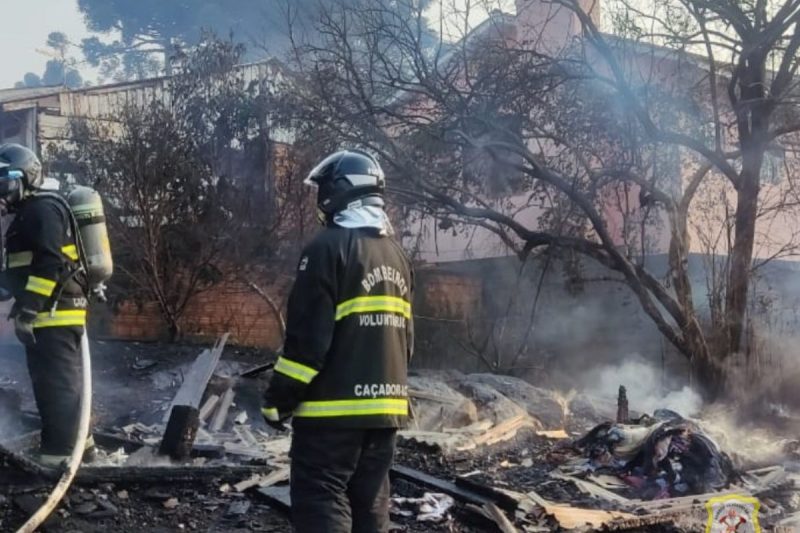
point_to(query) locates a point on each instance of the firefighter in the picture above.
(349, 335)
(49, 288)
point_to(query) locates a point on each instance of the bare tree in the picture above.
(190, 179)
(593, 143)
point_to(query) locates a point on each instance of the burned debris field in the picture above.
(483, 453)
(400, 265)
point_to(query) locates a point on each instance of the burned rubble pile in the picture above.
(482, 452)
(659, 457)
(562, 463)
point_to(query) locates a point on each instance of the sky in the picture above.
(27, 23)
(30, 21)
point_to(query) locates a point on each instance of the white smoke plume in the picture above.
(644, 384)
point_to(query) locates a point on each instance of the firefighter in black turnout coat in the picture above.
(43, 274)
(342, 376)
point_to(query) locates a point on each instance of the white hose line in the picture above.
(77, 451)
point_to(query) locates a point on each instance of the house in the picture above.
(40, 118)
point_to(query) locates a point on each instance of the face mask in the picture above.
(11, 185)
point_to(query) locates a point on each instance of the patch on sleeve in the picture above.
(303, 264)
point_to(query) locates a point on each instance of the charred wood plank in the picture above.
(133, 474)
(208, 407)
(430, 482)
(256, 370)
(110, 441)
(222, 412)
(184, 412)
(22, 462)
(181, 432)
(195, 382)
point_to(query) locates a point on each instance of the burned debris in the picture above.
(483, 453)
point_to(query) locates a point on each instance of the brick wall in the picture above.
(236, 308)
(447, 295)
(228, 307)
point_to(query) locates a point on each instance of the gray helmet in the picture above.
(17, 157)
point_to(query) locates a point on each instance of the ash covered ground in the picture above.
(134, 382)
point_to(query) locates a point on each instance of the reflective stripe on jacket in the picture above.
(41, 255)
(349, 334)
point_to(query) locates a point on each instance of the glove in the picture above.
(23, 325)
(274, 419)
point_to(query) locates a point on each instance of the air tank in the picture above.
(87, 208)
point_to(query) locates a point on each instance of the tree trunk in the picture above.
(752, 120)
(742, 255)
(175, 332)
(706, 374)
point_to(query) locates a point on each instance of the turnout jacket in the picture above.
(349, 334)
(43, 264)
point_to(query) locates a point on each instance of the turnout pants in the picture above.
(54, 364)
(340, 480)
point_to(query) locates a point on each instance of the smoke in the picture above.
(645, 388)
(748, 442)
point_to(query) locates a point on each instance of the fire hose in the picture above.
(74, 461)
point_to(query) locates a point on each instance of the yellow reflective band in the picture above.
(360, 407)
(295, 370)
(42, 286)
(71, 251)
(271, 414)
(371, 304)
(61, 318)
(20, 259)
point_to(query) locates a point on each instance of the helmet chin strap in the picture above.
(323, 218)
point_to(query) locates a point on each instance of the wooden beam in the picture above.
(184, 415)
(196, 379)
(209, 406)
(222, 412)
(180, 433)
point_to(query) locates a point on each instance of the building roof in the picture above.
(24, 93)
(33, 93)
